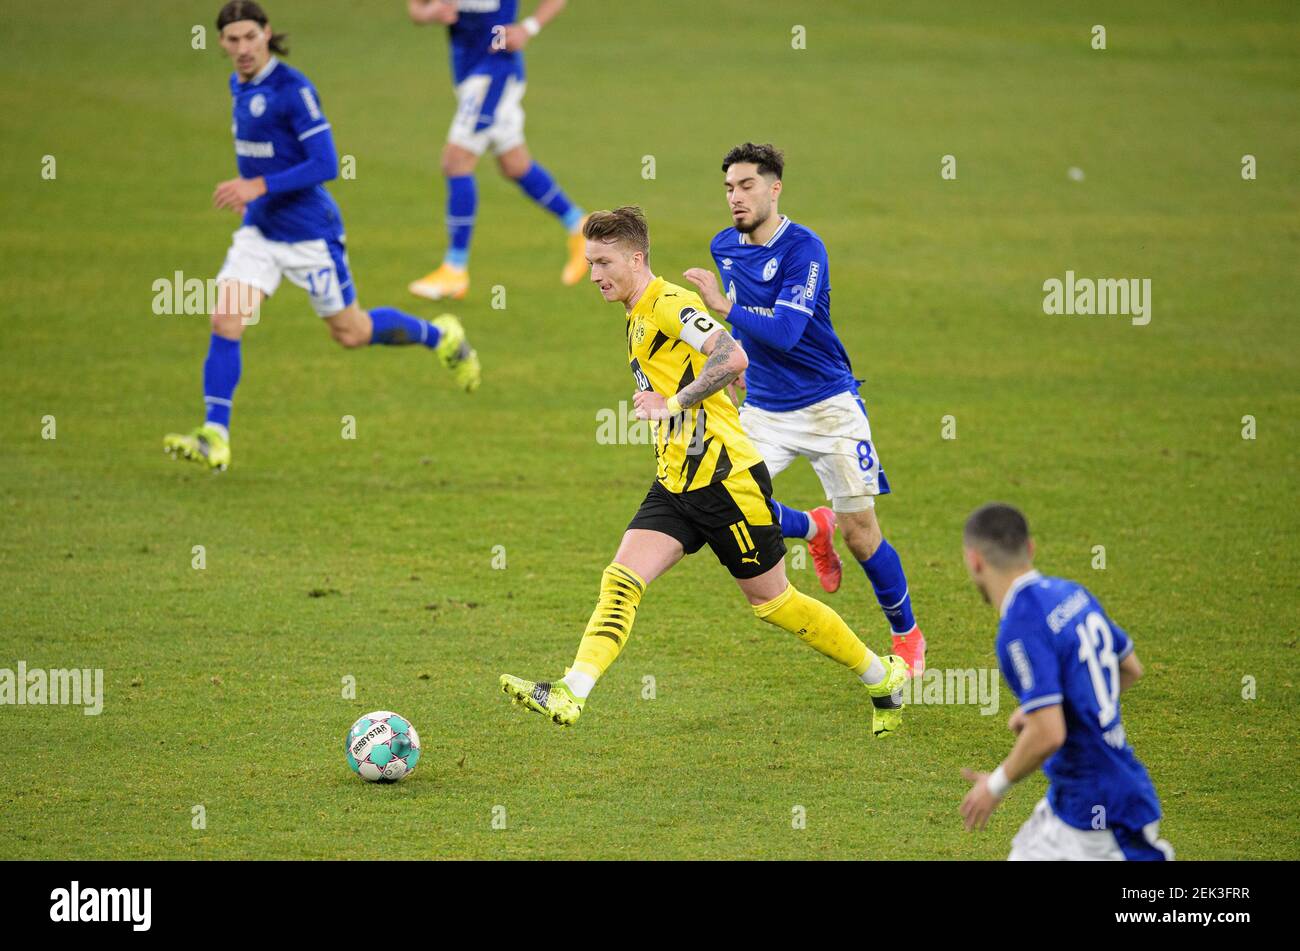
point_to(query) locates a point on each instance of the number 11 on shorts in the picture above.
(741, 531)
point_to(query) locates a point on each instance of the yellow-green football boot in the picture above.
(205, 445)
(887, 697)
(554, 700)
(456, 354)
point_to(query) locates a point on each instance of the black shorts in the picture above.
(734, 516)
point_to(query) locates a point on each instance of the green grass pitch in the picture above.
(224, 685)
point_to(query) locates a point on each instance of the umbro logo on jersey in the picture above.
(726, 264)
(257, 105)
(769, 269)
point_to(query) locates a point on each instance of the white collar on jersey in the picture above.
(1024, 581)
(264, 71)
(785, 223)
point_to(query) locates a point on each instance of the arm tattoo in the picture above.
(714, 375)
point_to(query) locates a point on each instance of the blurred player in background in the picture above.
(291, 229)
(487, 67)
(711, 486)
(801, 397)
(1066, 662)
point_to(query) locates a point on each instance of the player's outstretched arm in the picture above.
(1042, 733)
(518, 34)
(1130, 671)
(423, 12)
(782, 330)
(548, 10)
(707, 284)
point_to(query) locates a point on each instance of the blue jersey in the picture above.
(282, 135)
(795, 358)
(471, 40)
(1057, 646)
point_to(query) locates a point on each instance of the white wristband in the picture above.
(999, 785)
(531, 26)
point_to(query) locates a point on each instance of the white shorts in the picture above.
(479, 123)
(835, 436)
(319, 267)
(1045, 838)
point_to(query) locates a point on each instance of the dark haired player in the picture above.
(1067, 662)
(801, 397)
(711, 486)
(291, 229)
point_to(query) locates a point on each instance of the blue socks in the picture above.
(393, 327)
(885, 572)
(541, 188)
(224, 364)
(462, 205)
(794, 523)
(220, 377)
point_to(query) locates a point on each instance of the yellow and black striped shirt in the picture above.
(704, 444)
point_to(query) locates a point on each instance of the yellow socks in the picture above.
(610, 625)
(621, 588)
(817, 626)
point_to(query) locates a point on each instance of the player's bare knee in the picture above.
(236, 307)
(351, 327)
(348, 336)
(513, 164)
(862, 543)
(861, 532)
(229, 326)
(457, 161)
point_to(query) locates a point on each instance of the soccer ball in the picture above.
(382, 747)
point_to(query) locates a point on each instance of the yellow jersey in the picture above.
(705, 443)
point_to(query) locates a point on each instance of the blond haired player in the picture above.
(711, 486)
